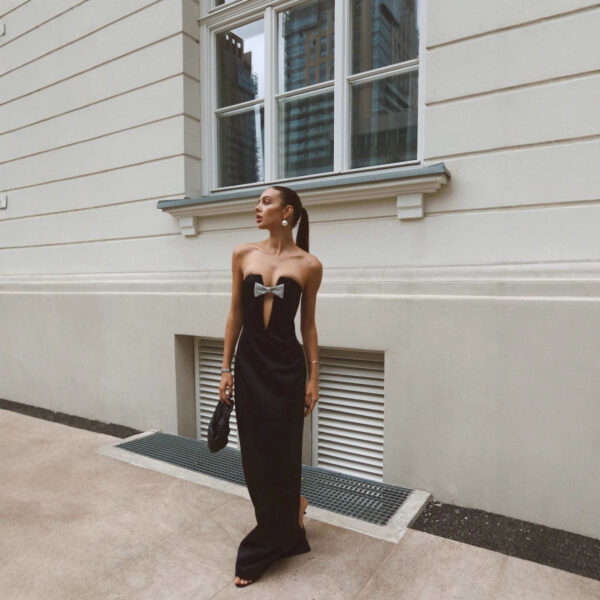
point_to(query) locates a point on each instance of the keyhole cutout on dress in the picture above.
(267, 309)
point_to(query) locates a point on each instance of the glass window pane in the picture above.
(306, 135)
(220, 2)
(384, 32)
(301, 30)
(241, 147)
(241, 64)
(384, 121)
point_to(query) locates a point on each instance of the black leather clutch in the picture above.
(218, 428)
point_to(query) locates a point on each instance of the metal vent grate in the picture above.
(363, 499)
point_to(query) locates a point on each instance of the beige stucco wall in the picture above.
(487, 308)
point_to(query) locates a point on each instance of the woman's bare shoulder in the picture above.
(244, 248)
(312, 262)
(238, 259)
(313, 269)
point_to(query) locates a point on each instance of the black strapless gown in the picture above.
(269, 388)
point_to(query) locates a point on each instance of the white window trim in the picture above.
(235, 14)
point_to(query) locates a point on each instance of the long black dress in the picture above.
(269, 387)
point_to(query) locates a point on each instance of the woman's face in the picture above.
(268, 209)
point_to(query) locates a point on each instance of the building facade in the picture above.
(447, 155)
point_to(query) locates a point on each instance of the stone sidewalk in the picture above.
(78, 525)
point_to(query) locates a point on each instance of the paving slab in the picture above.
(79, 525)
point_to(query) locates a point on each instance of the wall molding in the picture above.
(538, 280)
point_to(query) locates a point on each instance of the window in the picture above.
(293, 99)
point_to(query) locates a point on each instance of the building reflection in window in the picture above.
(306, 55)
(384, 111)
(240, 78)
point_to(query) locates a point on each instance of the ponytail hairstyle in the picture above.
(289, 196)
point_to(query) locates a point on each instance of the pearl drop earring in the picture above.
(284, 222)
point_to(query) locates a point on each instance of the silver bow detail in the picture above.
(259, 289)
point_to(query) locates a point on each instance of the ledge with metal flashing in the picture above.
(377, 509)
(407, 185)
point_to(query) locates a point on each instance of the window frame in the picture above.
(215, 20)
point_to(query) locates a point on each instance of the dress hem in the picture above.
(300, 546)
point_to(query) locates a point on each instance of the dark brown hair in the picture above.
(289, 196)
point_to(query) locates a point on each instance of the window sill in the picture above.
(407, 184)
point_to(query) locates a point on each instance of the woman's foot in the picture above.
(239, 582)
(303, 505)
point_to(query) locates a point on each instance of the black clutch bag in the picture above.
(218, 428)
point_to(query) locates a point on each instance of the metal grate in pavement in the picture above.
(363, 499)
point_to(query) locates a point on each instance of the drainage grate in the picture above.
(363, 499)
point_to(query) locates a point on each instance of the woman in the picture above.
(272, 394)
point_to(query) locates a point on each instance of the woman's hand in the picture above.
(226, 388)
(311, 396)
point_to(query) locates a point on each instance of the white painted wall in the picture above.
(487, 308)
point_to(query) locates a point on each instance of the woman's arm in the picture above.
(233, 325)
(309, 333)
